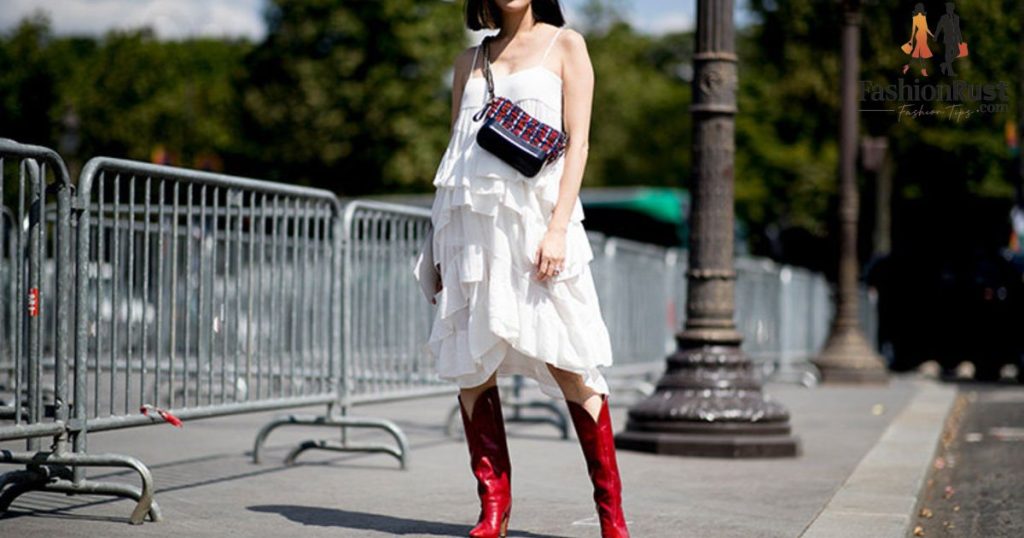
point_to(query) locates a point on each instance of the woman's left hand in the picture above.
(551, 254)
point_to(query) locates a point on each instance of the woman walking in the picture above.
(508, 259)
(917, 47)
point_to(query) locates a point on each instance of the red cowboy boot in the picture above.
(598, 444)
(488, 456)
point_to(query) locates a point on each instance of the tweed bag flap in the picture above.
(511, 134)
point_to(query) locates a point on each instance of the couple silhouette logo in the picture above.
(952, 40)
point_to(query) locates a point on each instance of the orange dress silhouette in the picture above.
(919, 37)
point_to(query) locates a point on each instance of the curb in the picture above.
(879, 498)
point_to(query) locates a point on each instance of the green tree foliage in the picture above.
(131, 93)
(640, 129)
(135, 94)
(27, 82)
(787, 125)
(937, 155)
(353, 96)
(787, 128)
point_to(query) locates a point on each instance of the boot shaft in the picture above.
(489, 460)
(597, 439)
(485, 433)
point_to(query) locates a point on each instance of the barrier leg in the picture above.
(557, 417)
(802, 372)
(641, 387)
(15, 483)
(51, 479)
(400, 451)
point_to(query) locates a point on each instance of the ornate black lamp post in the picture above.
(709, 402)
(848, 356)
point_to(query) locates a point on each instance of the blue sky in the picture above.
(174, 19)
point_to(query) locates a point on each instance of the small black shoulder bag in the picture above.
(517, 138)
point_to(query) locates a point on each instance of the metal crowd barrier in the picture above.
(638, 289)
(384, 317)
(803, 323)
(156, 292)
(783, 312)
(24, 234)
(777, 308)
(43, 179)
(387, 320)
(195, 295)
(225, 299)
(8, 305)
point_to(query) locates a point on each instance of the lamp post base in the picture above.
(718, 441)
(709, 404)
(848, 358)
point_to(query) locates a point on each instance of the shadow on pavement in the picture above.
(333, 517)
(184, 474)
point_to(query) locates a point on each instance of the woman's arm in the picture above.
(461, 71)
(578, 88)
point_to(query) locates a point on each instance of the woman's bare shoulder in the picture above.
(464, 60)
(571, 43)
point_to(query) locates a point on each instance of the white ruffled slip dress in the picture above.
(488, 220)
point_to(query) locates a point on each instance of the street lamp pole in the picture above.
(709, 402)
(847, 356)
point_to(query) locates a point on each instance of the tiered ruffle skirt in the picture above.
(492, 313)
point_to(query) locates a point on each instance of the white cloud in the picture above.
(646, 16)
(664, 23)
(170, 19)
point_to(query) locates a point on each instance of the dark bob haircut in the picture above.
(485, 14)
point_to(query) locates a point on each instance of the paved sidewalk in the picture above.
(207, 486)
(879, 497)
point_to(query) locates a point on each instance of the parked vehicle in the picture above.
(952, 291)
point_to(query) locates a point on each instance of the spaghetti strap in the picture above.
(546, 51)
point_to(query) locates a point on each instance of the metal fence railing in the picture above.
(203, 294)
(181, 294)
(639, 290)
(384, 318)
(40, 333)
(224, 299)
(150, 292)
(8, 304)
(30, 178)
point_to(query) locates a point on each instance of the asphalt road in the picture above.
(976, 484)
